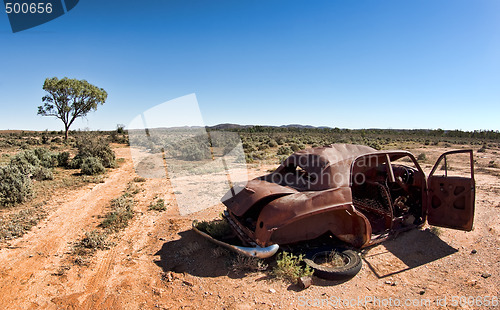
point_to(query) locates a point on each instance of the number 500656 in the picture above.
(28, 8)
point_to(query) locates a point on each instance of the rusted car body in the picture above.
(356, 193)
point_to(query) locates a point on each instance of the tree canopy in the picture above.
(68, 99)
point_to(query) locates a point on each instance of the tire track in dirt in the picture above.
(130, 265)
(28, 265)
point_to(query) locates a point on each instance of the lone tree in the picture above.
(68, 99)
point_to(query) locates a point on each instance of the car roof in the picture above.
(332, 161)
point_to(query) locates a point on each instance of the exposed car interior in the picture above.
(390, 195)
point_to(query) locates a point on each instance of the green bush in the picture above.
(120, 129)
(42, 174)
(63, 159)
(422, 157)
(284, 150)
(122, 212)
(217, 228)
(295, 147)
(93, 147)
(47, 159)
(15, 186)
(45, 139)
(288, 267)
(92, 166)
(26, 162)
(159, 205)
(56, 140)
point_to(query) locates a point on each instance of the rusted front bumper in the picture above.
(257, 251)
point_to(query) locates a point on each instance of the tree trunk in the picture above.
(66, 129)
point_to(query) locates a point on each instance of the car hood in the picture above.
(256, 192)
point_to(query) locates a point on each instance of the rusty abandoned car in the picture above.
(355, 193)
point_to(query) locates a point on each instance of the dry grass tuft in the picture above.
(248, 264)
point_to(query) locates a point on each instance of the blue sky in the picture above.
(348, 64)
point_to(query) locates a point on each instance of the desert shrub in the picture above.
(259, 155)
(116, 137)
(280, 140)
(247, 146)
(26, 162)
(284, 150)
(421, 157)
(92, 166)
(334, 259)
(45, 139)
(191, 149)
(248, 264)
(446, 166)
(120, 129)
(47, 159)
(263, 146)
(94, 240)
(93, 147)
(193, 152)
(159, 205)
(217, 228)
(132, 189)
(297, 146)
(15, 186)
(373, 144)
(251, 149)
(16, 224)
(42, 174)
(492, 164)
(122, 211)
(288, 267)
(249, 158)
(272, 143)
(32, 141)
(63, 159)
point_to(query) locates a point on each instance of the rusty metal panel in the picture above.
(451, 202)
(451, 199)
(254, 191)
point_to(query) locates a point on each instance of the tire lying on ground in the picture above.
(318, 260)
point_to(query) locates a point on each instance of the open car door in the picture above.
(450, 199)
